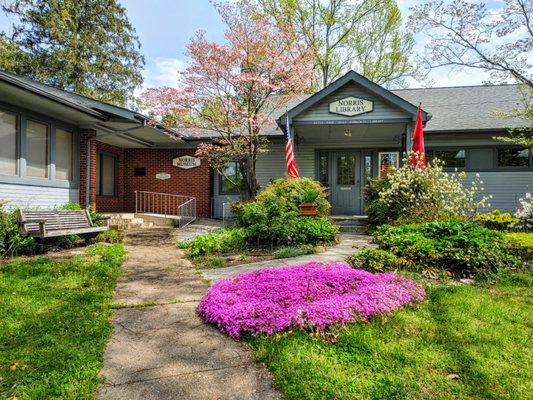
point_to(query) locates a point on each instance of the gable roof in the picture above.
(352, 76)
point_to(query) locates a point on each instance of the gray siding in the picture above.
(506, 187)
(382, 109)
(37, 196)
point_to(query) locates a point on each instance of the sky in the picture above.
(165, 26)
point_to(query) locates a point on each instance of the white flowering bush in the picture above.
(524, 212)
(416, 195)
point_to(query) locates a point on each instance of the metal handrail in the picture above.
(167, 204)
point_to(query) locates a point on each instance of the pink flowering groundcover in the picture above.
(308, 295)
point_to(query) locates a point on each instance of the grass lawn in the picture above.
(54, 323)
(462, 342)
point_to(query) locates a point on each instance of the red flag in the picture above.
(418, 151)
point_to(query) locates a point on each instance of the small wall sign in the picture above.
(162, 176)
(186, 162)
(351, 106)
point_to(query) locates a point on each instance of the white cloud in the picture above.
(162, 71)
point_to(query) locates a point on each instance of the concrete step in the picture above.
(350, 220)
(356, 229)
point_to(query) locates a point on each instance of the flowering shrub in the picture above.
(308, 295)
(525, 212)
(415, 195)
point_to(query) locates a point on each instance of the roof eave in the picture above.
(41, 93)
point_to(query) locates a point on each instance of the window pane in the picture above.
(231, 171)
(513, 157)
(346, 170)
(8, 143)
(451, 158)
(106, 175)
(36, 150)
(368, 169)
(323, 169)
(63, 154)
(388, 162)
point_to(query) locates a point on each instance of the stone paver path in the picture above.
(348, 244)
(164, 351)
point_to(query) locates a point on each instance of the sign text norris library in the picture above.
(351, 106)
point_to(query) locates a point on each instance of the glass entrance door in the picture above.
(345, 182)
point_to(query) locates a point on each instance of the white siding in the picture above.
(27, 196)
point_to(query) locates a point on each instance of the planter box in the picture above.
(308, 210)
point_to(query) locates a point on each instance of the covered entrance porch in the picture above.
(344, 158)
(346, 134)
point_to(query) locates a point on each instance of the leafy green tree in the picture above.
(464, 34)
(364, 35)
(88, 46)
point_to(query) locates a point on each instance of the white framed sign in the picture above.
(351, 106)
(162, 176)
(186, 162)
(388, 162)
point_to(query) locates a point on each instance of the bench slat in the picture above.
(56, 223)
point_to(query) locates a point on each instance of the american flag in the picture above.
(292, 169)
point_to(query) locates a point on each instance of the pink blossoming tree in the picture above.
(234, 88)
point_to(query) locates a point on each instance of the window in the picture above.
(230, 175)
(64, 154)
(8, 144)
(36, 149)
(368, 169)
(106, 174)
(323, 168)
(513, 158)
(346, 170)
(450, 158)
(388, 162)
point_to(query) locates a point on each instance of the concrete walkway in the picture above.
(160, 349)
(348, 244)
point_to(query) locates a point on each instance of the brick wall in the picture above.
(85, 134)
(112, 203)
(195, 182)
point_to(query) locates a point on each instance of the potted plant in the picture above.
(308, 207)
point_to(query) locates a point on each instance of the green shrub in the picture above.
(222, 241)
(413, 195)
(273, 218)
(521, 244)
(311, 196)
(497, 220)
(459, 247)
(374, 260)
(289, 252)
(279, 197)
(109, 236)
(12, 243)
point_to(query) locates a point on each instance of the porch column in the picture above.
(85, 143)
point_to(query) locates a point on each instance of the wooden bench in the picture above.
(54, 223)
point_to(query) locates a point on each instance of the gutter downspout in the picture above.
(88, 159)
